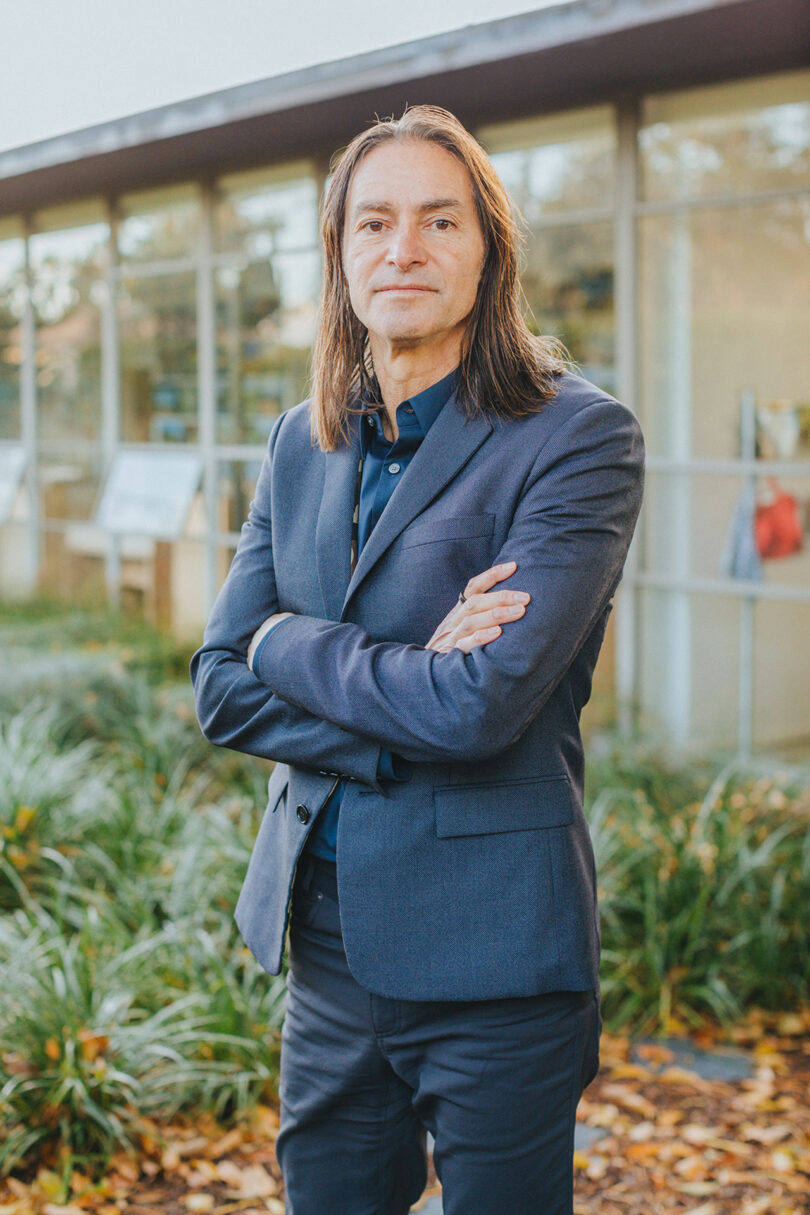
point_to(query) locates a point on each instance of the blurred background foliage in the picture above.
(127, 994)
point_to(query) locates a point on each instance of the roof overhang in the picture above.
(570, 54)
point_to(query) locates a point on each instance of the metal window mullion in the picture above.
(732, 588)
(28, 422)
(206, 388)
(753, 198)
(110, 398)
(625, 279)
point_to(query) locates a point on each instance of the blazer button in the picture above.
(302, 814)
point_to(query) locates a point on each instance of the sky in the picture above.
(69, 64)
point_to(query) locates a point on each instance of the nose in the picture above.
(405, 247)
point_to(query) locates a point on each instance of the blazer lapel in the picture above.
(448, 445)
(333, 531)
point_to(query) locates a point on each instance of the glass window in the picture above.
(781, 674)
(12, 303)
(562, 162)
(236, 485)
(750, 135)
(158, 225)
(266, 314)
(689, 663)
(66, 292)
(68, 485)
(158, 335)
(263, 212)
(724, 299)
(568, 281)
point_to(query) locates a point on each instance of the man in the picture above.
(409, 628)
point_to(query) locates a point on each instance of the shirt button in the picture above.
(393, 468)
(302, 814)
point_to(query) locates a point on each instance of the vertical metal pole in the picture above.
(28, 422)
(206, 388)
(745, 674)
(110, 396)
(626, 280)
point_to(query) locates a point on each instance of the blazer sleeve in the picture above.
(569, 536)
(234, 707)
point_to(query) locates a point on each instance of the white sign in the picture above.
(149, 493)
(12, 463)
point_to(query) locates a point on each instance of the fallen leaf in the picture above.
(199, 1202)
(629, 1099)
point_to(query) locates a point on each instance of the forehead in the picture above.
(403, 171)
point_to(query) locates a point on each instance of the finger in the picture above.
(501, 614)
(477, 639)
(490, 599)
(489, 578)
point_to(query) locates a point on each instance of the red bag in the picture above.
(777, 526)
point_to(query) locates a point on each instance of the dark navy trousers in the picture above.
(496, 1082)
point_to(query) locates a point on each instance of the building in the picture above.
(158, 287)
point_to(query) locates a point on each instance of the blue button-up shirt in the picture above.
(384, 465)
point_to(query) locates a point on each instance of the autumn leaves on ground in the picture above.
(139, 1040)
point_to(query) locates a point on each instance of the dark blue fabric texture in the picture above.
(475, 879)
(495, 1082)
(384, 464)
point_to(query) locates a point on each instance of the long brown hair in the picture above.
(505, 370)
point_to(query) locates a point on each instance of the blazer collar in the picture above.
(448, 446)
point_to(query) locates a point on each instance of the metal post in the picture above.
(28, 422)
(110, 396)
(207, 389)
(626, 277)
(745, 673)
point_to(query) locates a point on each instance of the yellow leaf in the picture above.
(53, 1050)
(581, 1161)
(23, 818)
(790, 1025)
(92, 1043)
(199, 1202)
(48, 1182)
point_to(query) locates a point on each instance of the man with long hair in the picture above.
(409, 628)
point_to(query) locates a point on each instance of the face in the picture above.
(413, 248)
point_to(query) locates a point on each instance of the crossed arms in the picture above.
(326, 695)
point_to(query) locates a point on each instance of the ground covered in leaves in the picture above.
(676, 1142)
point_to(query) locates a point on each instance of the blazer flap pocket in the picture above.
(455, 527)
(277, 786)
(515, 805)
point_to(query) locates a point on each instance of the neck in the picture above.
(404, 373)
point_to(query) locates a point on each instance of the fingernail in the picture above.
(506, 565)
(519, 597)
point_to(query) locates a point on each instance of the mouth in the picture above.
(404, 290)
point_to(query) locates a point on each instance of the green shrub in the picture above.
(701, 897)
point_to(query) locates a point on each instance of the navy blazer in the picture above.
(476, 878)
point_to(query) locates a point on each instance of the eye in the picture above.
(373, 225)
(444, 225)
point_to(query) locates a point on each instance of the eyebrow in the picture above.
(386, 208)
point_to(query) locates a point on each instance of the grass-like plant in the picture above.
(125, 991)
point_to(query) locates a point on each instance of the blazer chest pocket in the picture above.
(519, 805)
(456, 527)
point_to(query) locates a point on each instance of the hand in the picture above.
(478, 620)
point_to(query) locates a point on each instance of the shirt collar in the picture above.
(426, 405)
